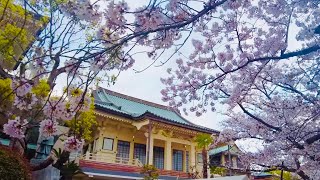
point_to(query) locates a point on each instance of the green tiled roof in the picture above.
(261, 174)
(221, 149)
(136, 108)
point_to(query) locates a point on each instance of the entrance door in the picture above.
(140, 152)
(177, 160)
(158, 157)
(123, 151)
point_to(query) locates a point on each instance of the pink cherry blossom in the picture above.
(72, 144)
(15, 128)
(58, 109)
(48, 127)
(21, 87)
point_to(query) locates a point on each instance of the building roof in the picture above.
(222, 149)
(261, 174)
(138, 109)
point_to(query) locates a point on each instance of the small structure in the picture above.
(226, 156)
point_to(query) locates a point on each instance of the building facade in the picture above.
(132, 132)
(226, 156)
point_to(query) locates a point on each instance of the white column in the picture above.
(100, 143)
(184, 161)
(151, 152)
(223, 161)
(192, 155)
(168, 155)
(131, 152)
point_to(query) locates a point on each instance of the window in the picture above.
(199, 158)
(215, 160)
(123, 151)
(227, 161)
(107, 144)
(158, 157)
(140, 152)
(239, 163)
(177, 160)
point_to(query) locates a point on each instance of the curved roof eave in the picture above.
(155, 117)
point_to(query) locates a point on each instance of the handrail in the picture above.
(111, 159)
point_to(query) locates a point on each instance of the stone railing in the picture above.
(106, 158)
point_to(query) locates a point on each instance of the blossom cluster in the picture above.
(48, 128)
(82, 10)
(73, 144)
(15, 128)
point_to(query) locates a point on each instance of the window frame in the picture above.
(123, 151)
(140, 152)
(112, 144)
(158, 157)
(177, 160)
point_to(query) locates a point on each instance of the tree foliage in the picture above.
(149, 172)
(286, 175)
(203, 140)
(218, 170)
(84, 123)
(13, 166)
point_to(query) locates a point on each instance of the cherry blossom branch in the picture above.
(313, 139)
(258, 119)
(178, 25)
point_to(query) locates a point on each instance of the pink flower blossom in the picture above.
(25, 103)
(15, 128)
(48, 128)
(58, 110)
(21, 87)
(72, 144)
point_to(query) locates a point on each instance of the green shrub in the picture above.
(149, 172)
(218, 170)
(13, 165)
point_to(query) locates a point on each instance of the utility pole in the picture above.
(281, 176)
(229, 159)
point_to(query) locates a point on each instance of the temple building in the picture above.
(132, 132)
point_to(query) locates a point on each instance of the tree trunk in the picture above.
(58, 164)
(303, 175)
(42, 165)
(205, 163)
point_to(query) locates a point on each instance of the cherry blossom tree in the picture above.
(258, 57)
(52, 51)
(261, 59)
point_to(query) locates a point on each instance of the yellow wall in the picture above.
(111, 127)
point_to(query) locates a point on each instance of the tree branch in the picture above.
(313, 139)
(258, 119)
